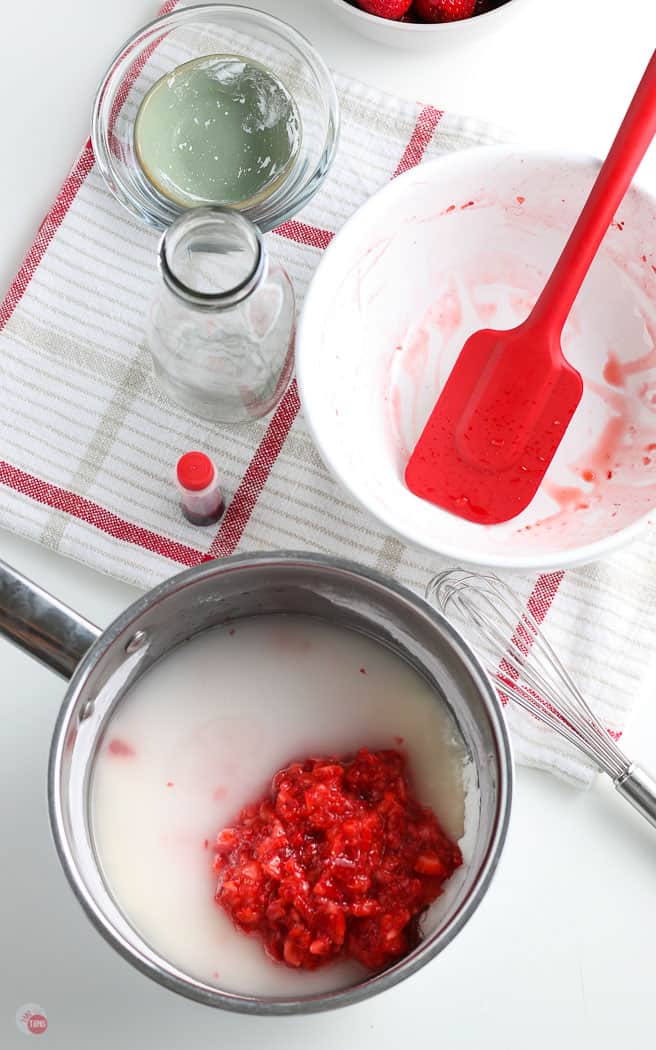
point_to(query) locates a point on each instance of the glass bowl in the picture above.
(190, 33)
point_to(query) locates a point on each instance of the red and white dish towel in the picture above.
(88, 441)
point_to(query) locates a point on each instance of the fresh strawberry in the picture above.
(444, 10)
(393, 9)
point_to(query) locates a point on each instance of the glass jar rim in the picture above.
(219, 300)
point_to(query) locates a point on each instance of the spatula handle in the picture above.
(631, 143)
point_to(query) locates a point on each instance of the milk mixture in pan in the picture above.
(202, 734)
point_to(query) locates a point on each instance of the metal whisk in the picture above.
(526, 668)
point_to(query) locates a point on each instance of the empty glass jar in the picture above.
(221, 328)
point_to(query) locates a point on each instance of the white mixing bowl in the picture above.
(461, 243)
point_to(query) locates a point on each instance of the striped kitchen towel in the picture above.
(89, 441)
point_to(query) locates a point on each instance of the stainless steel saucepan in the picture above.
(102, 666)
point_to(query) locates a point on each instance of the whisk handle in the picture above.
(640, 790)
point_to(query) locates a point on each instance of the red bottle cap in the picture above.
(195, 471)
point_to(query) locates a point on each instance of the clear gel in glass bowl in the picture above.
(188, 34)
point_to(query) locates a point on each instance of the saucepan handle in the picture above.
(41, 625)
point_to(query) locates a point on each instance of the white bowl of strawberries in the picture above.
(425, 25)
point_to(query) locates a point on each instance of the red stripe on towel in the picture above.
(104, 520)
(46, 232)
(421, 137)
(243, 502)
(300, 232)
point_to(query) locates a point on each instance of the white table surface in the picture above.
(562, 949)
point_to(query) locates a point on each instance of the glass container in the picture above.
(221, 330)
(188, 34)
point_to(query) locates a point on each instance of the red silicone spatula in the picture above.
(511, 395)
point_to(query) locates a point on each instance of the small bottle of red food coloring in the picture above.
(201, 500)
